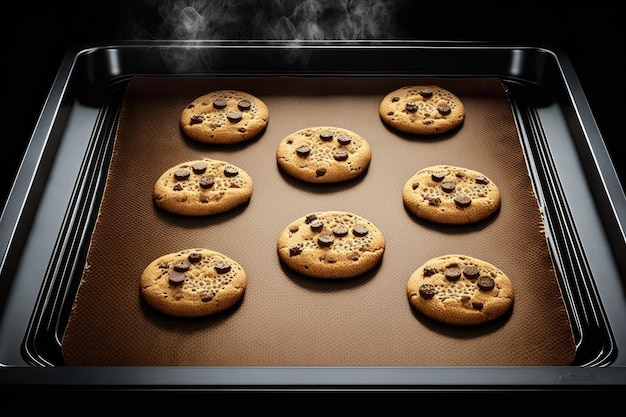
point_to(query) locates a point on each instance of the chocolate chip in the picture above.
(310, 218)
(178, 187)
(176, 278)
(430, 271)
(341, 154)
(320, 172)
(244, 104)
(326, 136)
(482, 180)
(394, 99)
(444, 109)
(222, 267)
(182, 266)
(325, 239)
(477, 305)
(303, 150)
(427, 291)
(294, 228)
(196, 119)
(340, 230)
(471, 272)
(194, 257)
(452, 272)
(295, 250)
(438, 176)
(485, 283)
(411, 107)
(182, 174)
(231, 171)
(207, 181)
(344, 139)
(316, 225)
(199, 167)
(415, 185)
(360, 230)
(462, 200)
(219, 103)
(234, 116)
(448, 186)
(426, 92)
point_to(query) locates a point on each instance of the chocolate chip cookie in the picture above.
(202, 187)
(324, 154)
(193, 282)
(331, 244)
(451, 195)
(224, 117)
(422, 109)
(460, 290)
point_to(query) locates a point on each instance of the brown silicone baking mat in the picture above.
(286, 319)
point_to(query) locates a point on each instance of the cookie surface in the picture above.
(202, 187)
(324, 154)
(422, 109)
(193, 283)
(331, 244)
(224, 116)
(451, 195)
(460, 290)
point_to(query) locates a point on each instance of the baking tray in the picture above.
(47, 223)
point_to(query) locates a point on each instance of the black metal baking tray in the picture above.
(50, 213)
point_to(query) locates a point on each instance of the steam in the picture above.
(284, 20)
(263, 20)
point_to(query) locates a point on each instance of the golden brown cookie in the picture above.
(202, 187)
(460, 290)
(224, 117)
(451, 195)
(422, 109)
(331, 244)
(324, 154)
(193, 282)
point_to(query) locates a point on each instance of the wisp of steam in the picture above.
(284, 20)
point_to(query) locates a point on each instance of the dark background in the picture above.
(37, 37)
(43, 33)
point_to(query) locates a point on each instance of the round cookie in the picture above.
(324, 154)
(460, 290)
(331, 244)
(224, 117)
(193, 283)
(451, 195)
(422, 109)
(202, 187)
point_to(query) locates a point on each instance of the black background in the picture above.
(38, 36)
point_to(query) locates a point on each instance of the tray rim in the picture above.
(66, 68)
